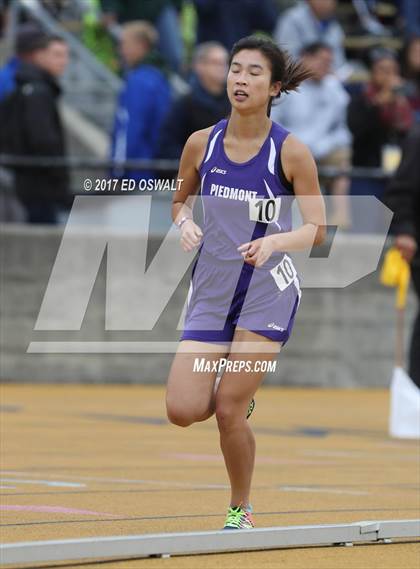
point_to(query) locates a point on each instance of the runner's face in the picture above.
(249, 81)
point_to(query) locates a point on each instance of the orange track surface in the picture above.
(81, 461)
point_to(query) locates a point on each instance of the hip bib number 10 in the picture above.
(284, 273)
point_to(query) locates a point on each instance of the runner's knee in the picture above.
(229, 414)
(183, 416)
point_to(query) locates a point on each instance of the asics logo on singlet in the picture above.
(275, 327)
(218, 170)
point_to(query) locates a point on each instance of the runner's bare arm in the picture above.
(188, 179)
(300, 169)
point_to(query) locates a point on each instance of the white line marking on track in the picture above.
(323, 490)
(45, 482)
(168, 483)
(361, 454)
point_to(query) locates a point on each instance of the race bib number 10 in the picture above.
(264, 210)
(284, 273)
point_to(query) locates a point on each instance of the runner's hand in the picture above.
(257, 252)
(191, 235)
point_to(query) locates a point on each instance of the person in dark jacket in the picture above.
(380, 113)
(378, 117)
(143, 102)
(29, 39)
(206, 104)
(411, 73)
(42, 191)
(403, 197)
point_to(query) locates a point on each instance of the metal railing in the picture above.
(161, 165)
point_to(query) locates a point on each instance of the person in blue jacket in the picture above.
(143, 101)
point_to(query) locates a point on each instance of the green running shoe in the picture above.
(250, 408)
(239, 518)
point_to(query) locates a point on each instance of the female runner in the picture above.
(244, 290)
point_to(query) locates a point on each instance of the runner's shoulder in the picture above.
(197, 142)
(294, 150)
(198, 139)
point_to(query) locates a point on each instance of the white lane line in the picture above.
(360, 454)
(338, 453)
(44, 482)
(322, 490)
(168, 483)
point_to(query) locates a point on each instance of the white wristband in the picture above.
(183, 220)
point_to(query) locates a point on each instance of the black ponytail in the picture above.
(294, 74)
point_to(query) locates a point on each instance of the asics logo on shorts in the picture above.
(275, 327)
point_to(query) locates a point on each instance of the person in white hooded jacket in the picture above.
(317, 115)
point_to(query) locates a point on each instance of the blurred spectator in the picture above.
(205, 105)
(317, 115)
(42, 191)
(410, 12)
(29, 39)
(3, 17)
(96, 36)
(227, 21)
(378, 117)
(60, 9)
(162, 14)
(380, 113)
(144, 100)
(368, 20)
(308, 22)
(403, 197)
(411, 73)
